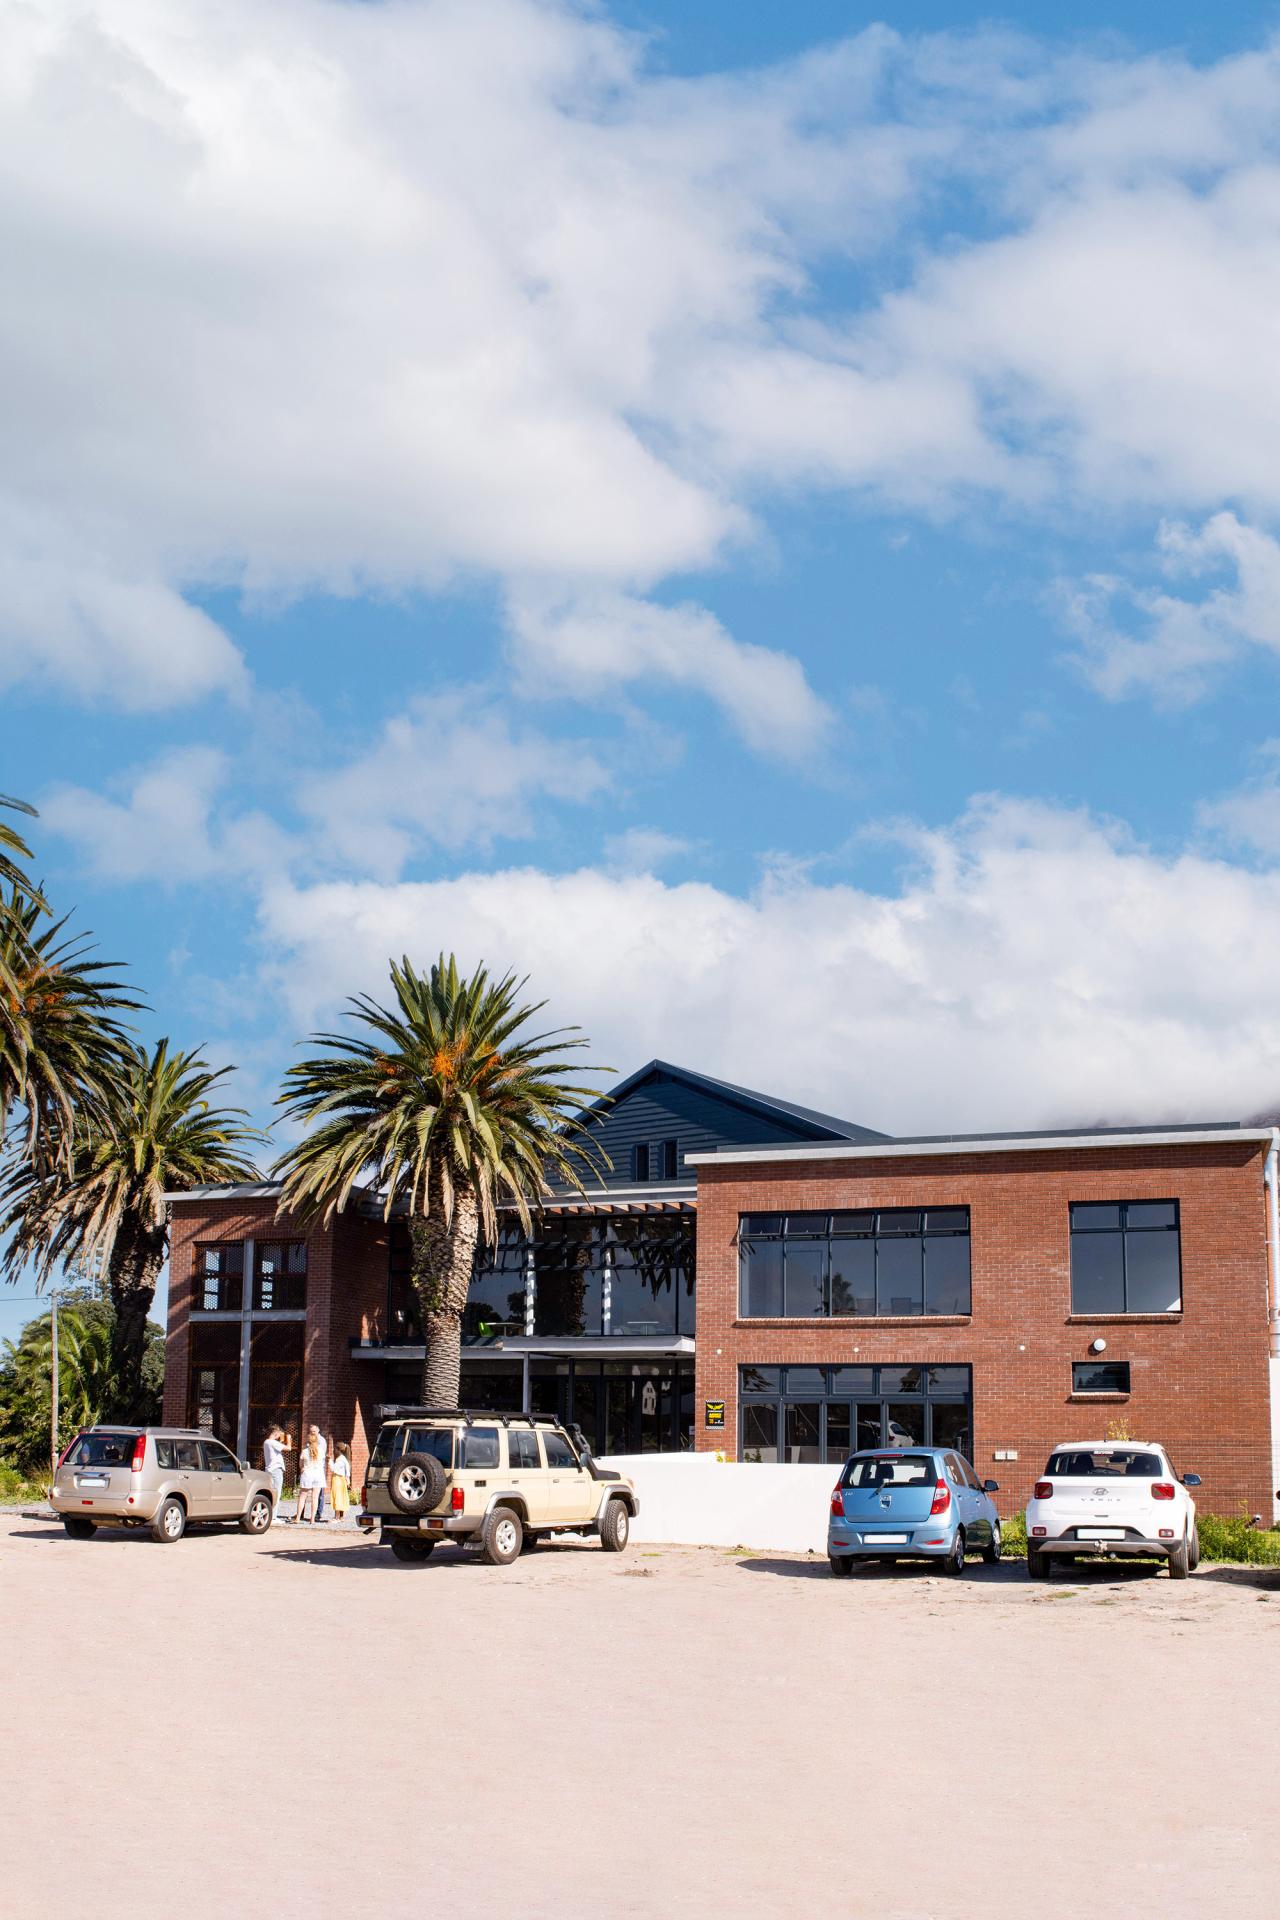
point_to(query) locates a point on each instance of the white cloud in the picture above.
(643, 850)
(604, 640)
(1035, 967)
(451, 771)
(1249, 817)
(1180, 641)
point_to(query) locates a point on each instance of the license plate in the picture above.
(1100, 1533)
(92, 1480)
(886, 1539)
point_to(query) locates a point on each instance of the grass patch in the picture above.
(16, 1489)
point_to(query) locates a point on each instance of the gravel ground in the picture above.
(295, 1726)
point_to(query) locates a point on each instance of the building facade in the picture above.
(766, 1281)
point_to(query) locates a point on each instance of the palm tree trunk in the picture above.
(443, 1260)
(137, 1255)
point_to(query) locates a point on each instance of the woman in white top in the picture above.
(311, 1478)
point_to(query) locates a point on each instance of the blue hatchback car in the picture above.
(911, 1503)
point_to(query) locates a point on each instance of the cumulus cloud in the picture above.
(604, 640)
(340, 298)
(1033, 967)
(451, 771)
(1174, 643)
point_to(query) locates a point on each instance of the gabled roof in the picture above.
(806, 1120)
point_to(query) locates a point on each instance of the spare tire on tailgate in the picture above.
(417, 1483)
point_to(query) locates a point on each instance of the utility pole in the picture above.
(53, 1405)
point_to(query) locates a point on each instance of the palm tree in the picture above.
(60, 1044)
(154, 1133)
(448, 1109)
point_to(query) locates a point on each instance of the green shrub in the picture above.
(1013, 1532)
(16, 1487)
(1237, 1539)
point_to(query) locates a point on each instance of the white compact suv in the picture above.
(1102, 1497)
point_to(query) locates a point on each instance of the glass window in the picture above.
(955, 1471)
(947, 1379)
(805, 1278)
(437, 1441)
(853, 1380)
(220, 1278)
(947, 1220)
(761, 1379)
(890, 1470)
(1103, 1463)
(669, 1153)
(949, 1425)
(187, 1456)
(862, 1223)
(946, 1274)
(902, 1379)
(102, 1450)
(853, 1278)
(1100, 1376)
(838, 1430)
(480, 1447)
(900, 1276)
(760, 1432)
(761, 1269)
(810, 1381)
(280, 1276)
(904, 1423)
(218, 1460)
(870, 1428)
(803, 1419)
(900, 1220)
(557, 1449)
(640, 1160)
(522, 1450)
(164, 1454)
(807, 1226)
(1126, 1257)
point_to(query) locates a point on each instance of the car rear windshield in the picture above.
(102, 1450)
(890, 1470)
(393, 1441)
(1105, 1463)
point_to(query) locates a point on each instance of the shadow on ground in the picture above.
(1007, 1573)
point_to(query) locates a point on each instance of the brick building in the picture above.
(995, 1293)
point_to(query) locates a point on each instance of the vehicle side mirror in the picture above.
(1191, 1479)
(991, 1486)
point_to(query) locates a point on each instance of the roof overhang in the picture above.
(656, 1346)
(967, 1147)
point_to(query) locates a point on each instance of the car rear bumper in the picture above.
(920, 1543)
(433, 1525)
(1134, 1548)
(141, 1506)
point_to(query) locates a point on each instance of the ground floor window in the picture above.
(214, 1393)
(275, 1356)
(818, 1413)
(622, 1406)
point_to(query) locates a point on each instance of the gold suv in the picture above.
(506, 1480)
(163, 1478)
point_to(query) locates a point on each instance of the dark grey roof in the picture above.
(1059, 1133)
(767, 1105)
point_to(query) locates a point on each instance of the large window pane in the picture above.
(853, 1380)
(870, 1427)
(1092, 1219)
(900, 1220)
(761, 1379)
(904, 1423)
(853, 1278)
(802, 1443)
(1151, 1213)
(900, 1276)
(838, 1430)
(1097, 1273)
(760, 1433)
(1153, 1282)
(902, 1379)
(951, 1426)
(761, 1263)
(946, 1274)
(811, 1382)
(805, 1278)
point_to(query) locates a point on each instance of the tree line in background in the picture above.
(445, 1104)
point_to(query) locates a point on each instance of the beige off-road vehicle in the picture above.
(502, 1480)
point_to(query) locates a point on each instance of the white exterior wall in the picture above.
(693, 1499)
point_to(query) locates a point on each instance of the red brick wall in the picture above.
(346, 1294)
(1199, 1379)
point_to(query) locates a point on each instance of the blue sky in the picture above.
(766, 522)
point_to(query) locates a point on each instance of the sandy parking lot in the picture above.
(674, 1731)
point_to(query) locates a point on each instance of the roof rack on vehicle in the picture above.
(395, 1411)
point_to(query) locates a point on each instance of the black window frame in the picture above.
(1125, 1230)
(1121, 1367)
(772, 1387)
(288, 1285)
(226, 1295)
(889, 1225)
(641, 1163)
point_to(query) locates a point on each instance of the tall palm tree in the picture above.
(60, 1042)
(155, 1132)
(448, 1108)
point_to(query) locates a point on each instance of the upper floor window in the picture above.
(655, 1160)
(1126, 1257)
(875, 1261)
(280, 1275)
(220, 1278)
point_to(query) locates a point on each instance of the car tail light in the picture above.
(457, 1499)
(837, 1503)
(139, 1453)
(1039, 1532)
(1162, 1489)
(941, 1499)
(1043, 1490)
(1166, 1533)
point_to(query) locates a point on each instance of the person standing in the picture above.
(274, 1448)
(312, 1476)
(339, 1480)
